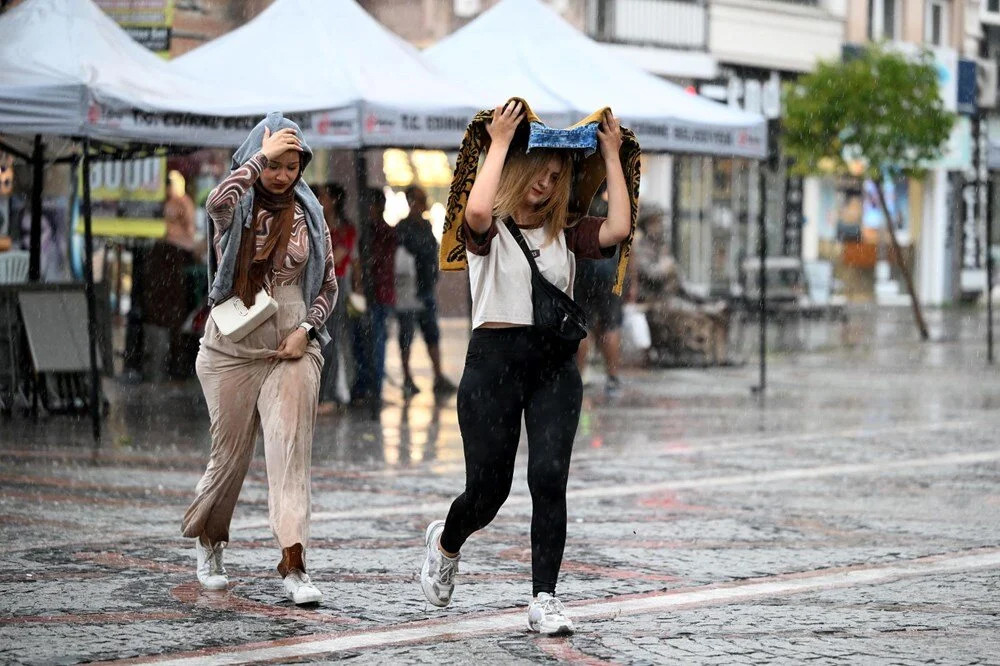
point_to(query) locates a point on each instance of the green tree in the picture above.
(879, 116)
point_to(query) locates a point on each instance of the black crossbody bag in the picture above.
(554, 311)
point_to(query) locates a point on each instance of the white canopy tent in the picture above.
(70, 70)
(523, 48)
(364, 85)
(71, 78)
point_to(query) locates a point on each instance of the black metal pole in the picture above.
(989, 273)
(365, 231)
(88, 273)
(35, 238)
(762, 275)
(367, 264)
(675, 205)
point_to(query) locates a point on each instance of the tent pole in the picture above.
(762, 276)
(35, 239)
(365, 241)
(88, 272)
(365, 235)
(675, 204)
(989, 271)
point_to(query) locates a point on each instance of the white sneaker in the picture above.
(437, 576)
(300, 588)
(211, 572)
(546, 615)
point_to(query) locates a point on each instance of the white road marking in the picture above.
(514, 620)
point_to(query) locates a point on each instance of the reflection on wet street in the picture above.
(869, 371)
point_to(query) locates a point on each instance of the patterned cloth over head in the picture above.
(588, 174)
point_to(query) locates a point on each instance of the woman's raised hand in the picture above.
(609, 135)
(281, 141)
(506, 118)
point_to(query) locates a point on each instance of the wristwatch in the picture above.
(309, 329)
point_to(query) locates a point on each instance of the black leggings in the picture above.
(510, 372)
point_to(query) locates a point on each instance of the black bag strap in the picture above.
(213, 262)
(519, 237)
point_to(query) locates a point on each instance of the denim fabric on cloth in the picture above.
(576, 138)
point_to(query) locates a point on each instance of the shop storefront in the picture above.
(714, 227)
(711, 232)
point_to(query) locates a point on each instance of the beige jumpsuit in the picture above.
(247, 388)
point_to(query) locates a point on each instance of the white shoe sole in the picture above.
(306, 595)
(214, 583)
(561, 630)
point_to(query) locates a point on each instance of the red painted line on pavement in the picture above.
(228, 600)
(120, 561)
(563, 651)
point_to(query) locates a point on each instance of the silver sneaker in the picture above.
(437, 577)
(211, 572)
(300, 588)
(546, 615)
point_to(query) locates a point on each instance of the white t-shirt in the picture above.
(500, 276)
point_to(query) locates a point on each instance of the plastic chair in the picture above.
(14, 267)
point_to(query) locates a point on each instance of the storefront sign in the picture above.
(967, 87)
(148, 22)
(791, 242)
(971, 249)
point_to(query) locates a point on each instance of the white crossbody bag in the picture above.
(235, 320)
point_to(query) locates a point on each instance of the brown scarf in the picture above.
(252, 265)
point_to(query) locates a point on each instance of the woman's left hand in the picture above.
(293, 346)
(609, 136)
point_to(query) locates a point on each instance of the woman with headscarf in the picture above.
(270, 235)
(522, 204)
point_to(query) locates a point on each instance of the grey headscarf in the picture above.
(222, 285)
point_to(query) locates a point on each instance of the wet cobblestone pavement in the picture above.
(853, 516)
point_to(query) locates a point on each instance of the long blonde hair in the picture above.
(519, 172)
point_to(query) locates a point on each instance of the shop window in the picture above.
(711, 215)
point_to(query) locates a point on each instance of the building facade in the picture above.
(940, 216)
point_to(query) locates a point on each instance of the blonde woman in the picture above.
(513, 368)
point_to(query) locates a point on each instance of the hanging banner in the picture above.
(385, 127)
(336, 128)
(707, 140)
(127, 197)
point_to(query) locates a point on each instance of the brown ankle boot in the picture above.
(291, 558)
